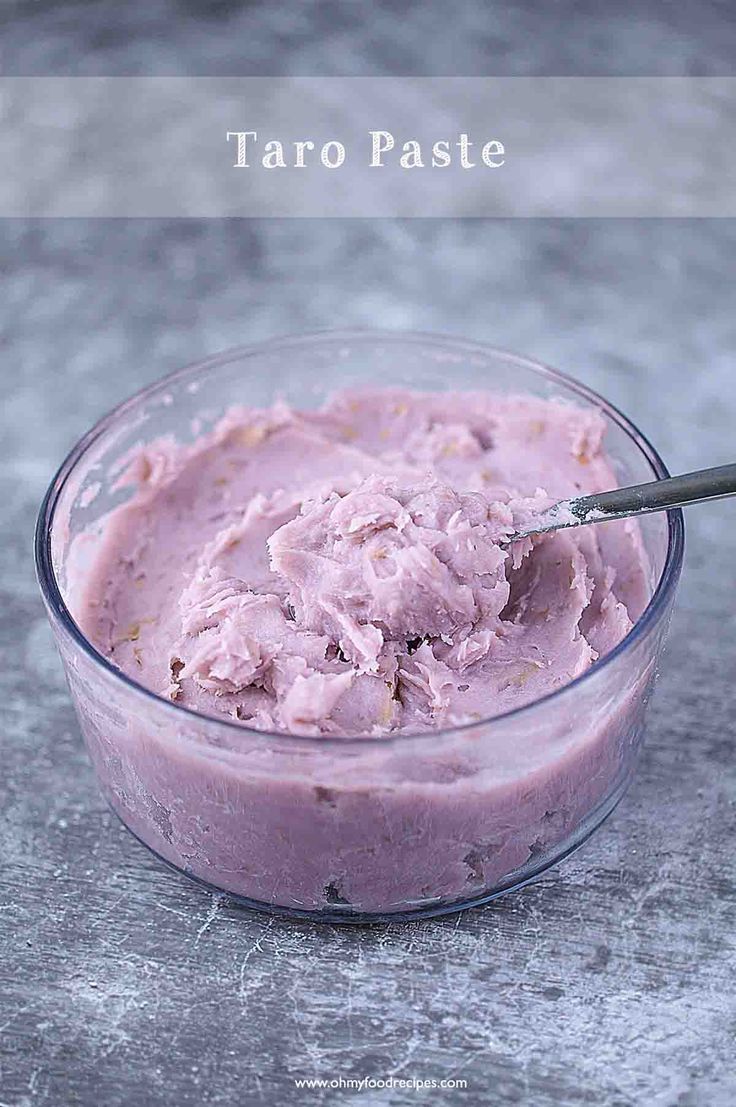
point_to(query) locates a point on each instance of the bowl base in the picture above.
(426, 910)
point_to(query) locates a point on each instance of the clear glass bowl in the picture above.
(345, 829)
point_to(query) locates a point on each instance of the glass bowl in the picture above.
(345, 829)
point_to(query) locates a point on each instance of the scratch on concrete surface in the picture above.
(216, 902)
(256, 947)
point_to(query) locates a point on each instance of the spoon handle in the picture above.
(640, 499)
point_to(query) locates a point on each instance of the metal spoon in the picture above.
(639, 499)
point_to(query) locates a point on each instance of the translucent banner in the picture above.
(384, 146)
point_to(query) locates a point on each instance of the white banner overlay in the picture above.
(384, 146)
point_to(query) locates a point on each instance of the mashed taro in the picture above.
(348, 571)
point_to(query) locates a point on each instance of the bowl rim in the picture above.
(57, 607)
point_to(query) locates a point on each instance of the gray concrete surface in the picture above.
(323, 37)
(609, 982)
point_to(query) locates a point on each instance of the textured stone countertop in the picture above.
(611, 980)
